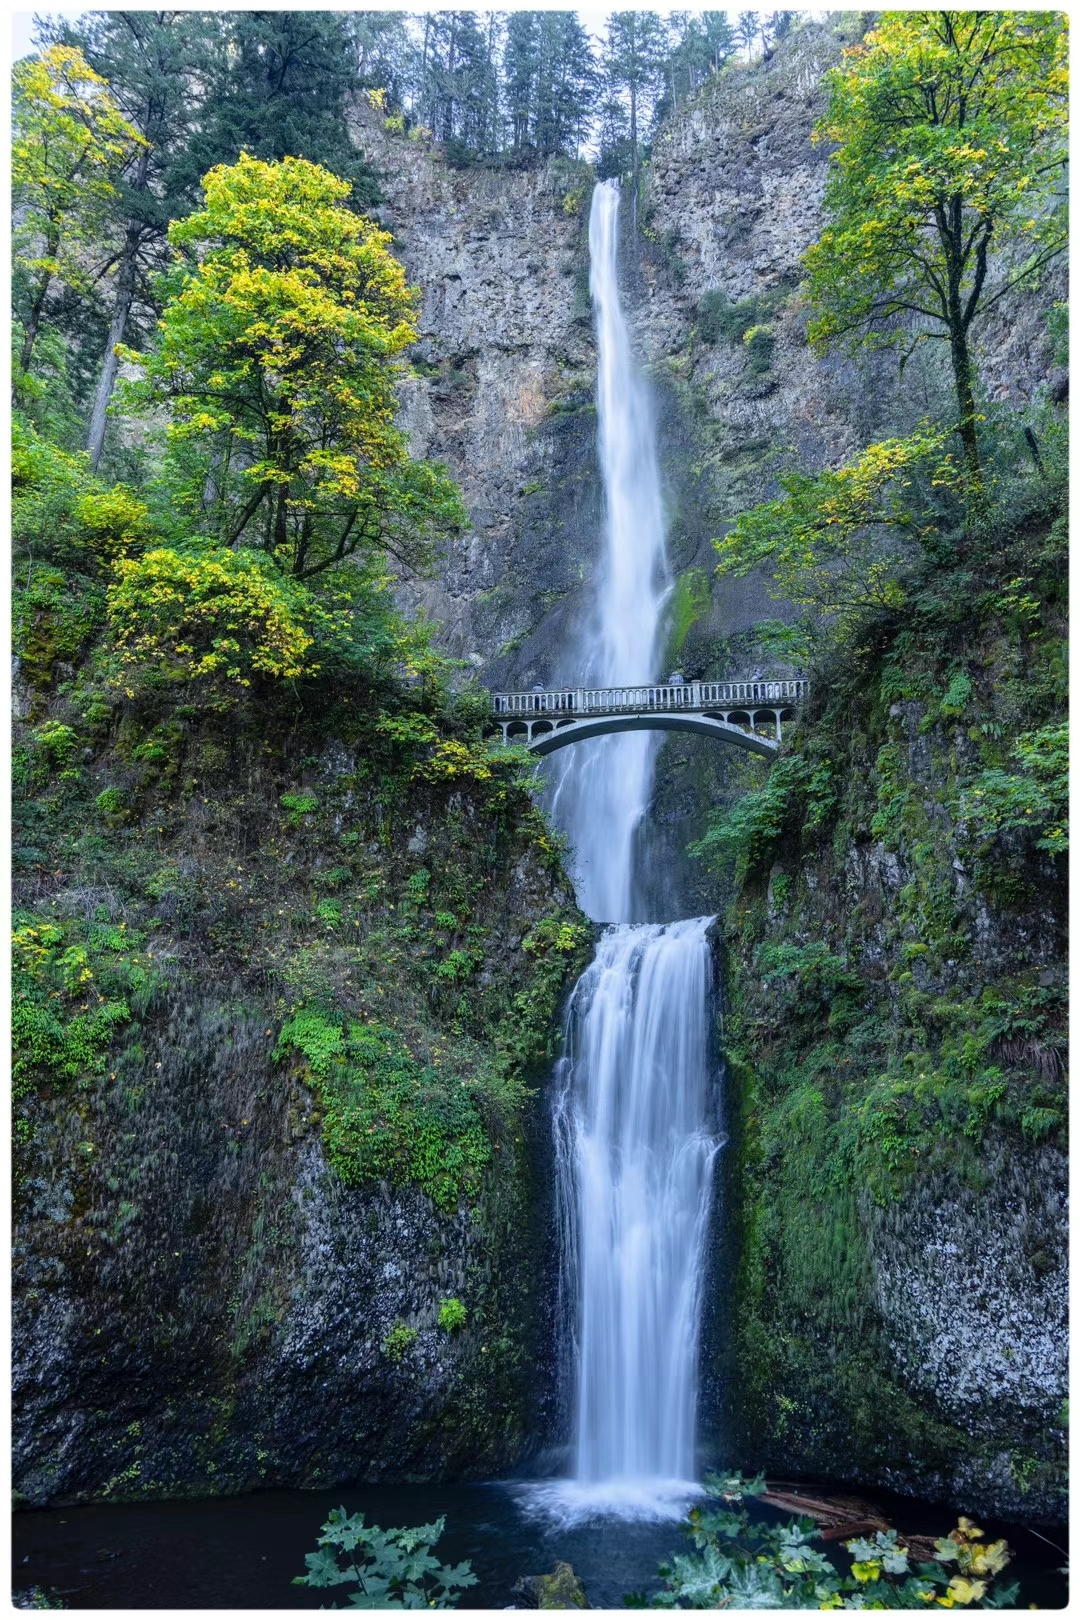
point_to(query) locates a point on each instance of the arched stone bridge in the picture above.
(731, 711)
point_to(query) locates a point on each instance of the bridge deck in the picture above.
(701, 696)
(731, 711)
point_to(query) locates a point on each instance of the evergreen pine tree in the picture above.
(634, 59)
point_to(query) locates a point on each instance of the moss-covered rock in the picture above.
(896, 984)
(285, 986)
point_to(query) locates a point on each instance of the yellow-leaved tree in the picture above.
(946, 189)
(69, 148)
(277, 359)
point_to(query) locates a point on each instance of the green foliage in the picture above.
(950, 129)
(48, 750)
(1032, 800)
(690, 601)
(277, 359)
(399, 1340)
(391, 1569)
(62, 514)
(110, 802)
(759, 342)
(811, 979)
(452, 1315)
(72, 989)
(839, 541)
(749, 832)
(283, 86)
(297, 806)
(742, 1562)
(526, 1035)
(718, 317)
(212, 614)
(70, 145)
(384, 1112)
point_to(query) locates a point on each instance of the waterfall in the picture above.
(635, 1144)
(635, 1118)
(600, 792)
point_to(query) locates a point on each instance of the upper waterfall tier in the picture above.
(600, 791)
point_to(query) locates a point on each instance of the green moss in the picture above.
(73, 988)
(385, 1114)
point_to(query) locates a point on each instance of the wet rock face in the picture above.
(205, 1299)
(502, 390)
(208, 1309)
(973, 1293)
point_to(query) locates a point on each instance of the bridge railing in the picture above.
(696, 695)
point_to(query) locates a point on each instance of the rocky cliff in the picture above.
(906, 1334)
(277, 998)
(896, 982)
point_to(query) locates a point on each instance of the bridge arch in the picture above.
(548, 741)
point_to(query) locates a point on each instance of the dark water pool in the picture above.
(242, 1552)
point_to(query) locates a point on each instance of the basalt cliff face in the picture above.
(505, 372)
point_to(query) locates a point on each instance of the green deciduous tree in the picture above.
(836, 540)
(945, 188)
(277, 360)
(71, 144)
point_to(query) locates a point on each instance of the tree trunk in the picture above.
(125, 296)
(965, 398)
(34, 322)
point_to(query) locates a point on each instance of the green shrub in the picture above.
(452, 1315)
(1032, 800)
(110, 802)
(718, 317)
(759, 342)
(392, 1569)
(399, 1340)
(297, 806)
(750, 831)
(223, 615)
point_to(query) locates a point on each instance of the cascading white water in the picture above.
(635, 1146)
(635, 1129)
(600, 792)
